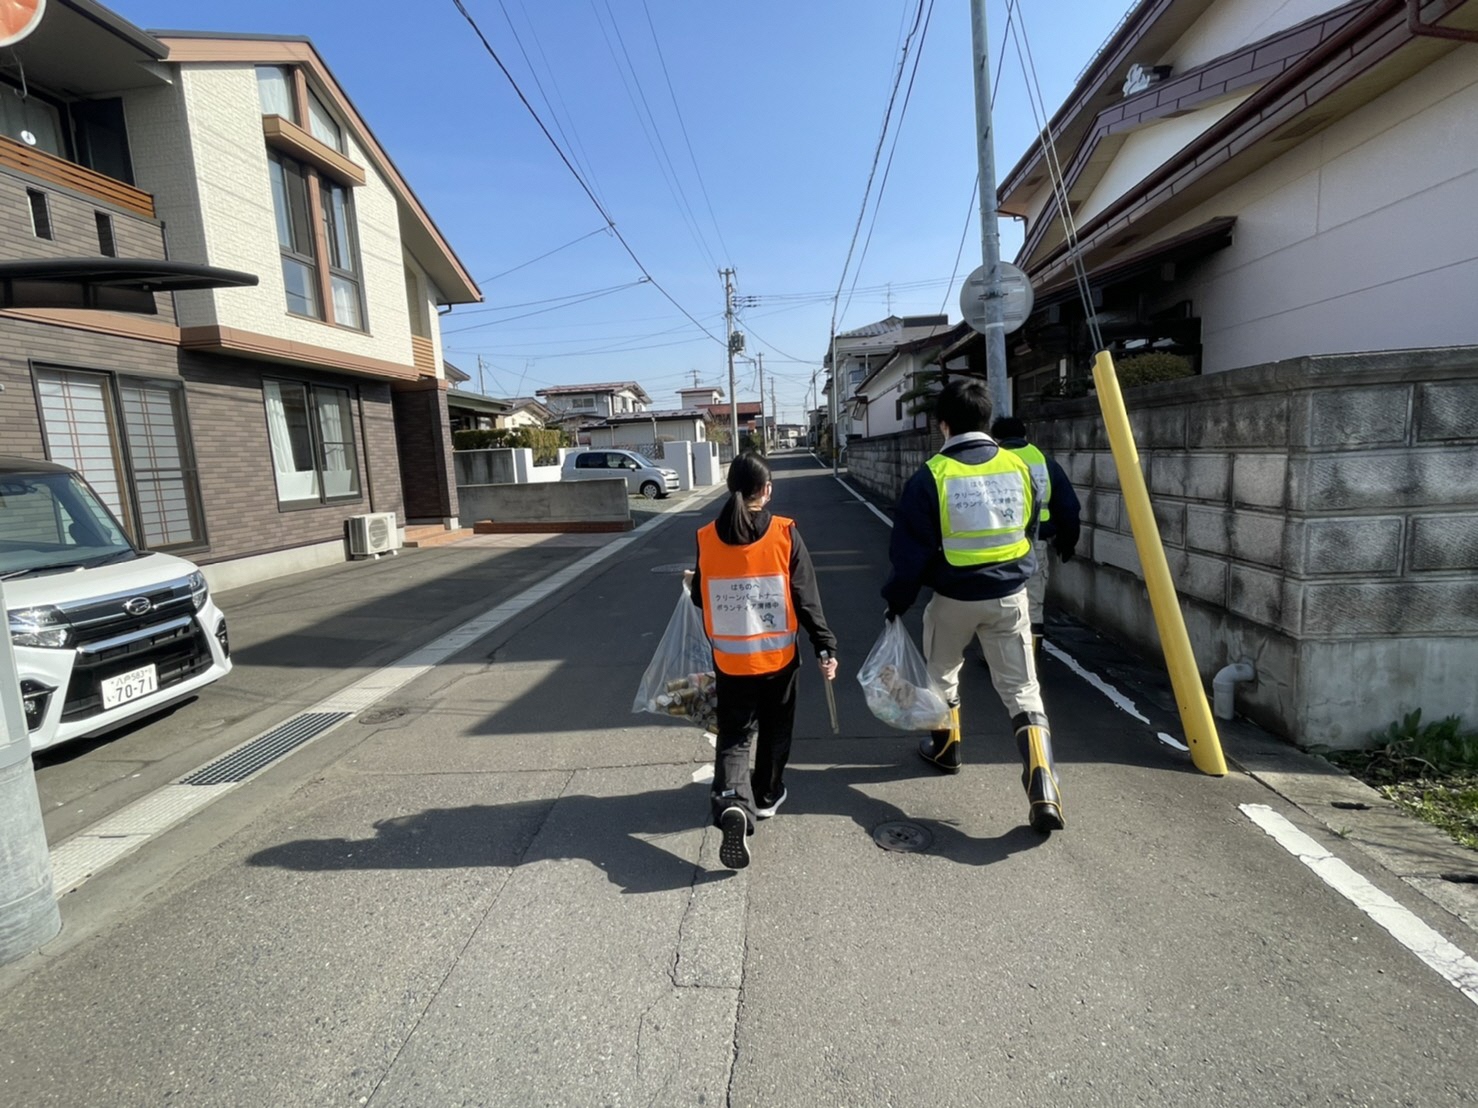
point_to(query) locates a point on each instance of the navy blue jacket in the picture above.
(917, 547)
(1063, 526)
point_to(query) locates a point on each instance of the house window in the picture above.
(275, 91)
(311, 428)
(107, 244)
(31, 120)
(323, 125)
(40, 214)
(130, 438)
(586, 402)
(343, 255)
(295, 235)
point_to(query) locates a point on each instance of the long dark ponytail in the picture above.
(748, 476)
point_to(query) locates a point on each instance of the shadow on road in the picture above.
(620, 835)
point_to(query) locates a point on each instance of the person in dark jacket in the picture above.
(965, 527)
(1058, 523)
(756, 587)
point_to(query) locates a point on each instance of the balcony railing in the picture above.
(69, 175)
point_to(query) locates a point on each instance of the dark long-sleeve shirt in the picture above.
(1063, 525)
(917, 547)
(805, 596)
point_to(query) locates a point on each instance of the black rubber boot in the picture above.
(942, 748)
(1038, 774)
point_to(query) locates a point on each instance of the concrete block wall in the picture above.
(1320, 516)
(884, 464)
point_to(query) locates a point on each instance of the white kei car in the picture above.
(103, 632)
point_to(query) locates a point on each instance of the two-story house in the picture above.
(578, 408)
(239, 426)
(862, 351)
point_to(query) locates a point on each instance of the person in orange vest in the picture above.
(756, 588)
(965, 526)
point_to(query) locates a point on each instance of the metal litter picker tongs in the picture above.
(831, 696)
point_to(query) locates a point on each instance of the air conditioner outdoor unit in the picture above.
(373, 534)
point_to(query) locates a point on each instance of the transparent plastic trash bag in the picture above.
(679, 679)
(897, 685)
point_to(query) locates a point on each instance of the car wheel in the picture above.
(651, 490)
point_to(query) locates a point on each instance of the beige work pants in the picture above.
(1036, 588)
(1004, 629)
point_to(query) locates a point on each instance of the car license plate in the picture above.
(129, 686)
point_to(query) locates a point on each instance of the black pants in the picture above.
(748, 706)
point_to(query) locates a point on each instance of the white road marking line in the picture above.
(1171, 740)
(1405, 927)
(871, 507)
(94, 849)
(703, 773)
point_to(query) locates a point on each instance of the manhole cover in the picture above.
(381, 715)
(672, 567)
(904, 837)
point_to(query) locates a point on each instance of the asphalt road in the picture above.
(497, 888)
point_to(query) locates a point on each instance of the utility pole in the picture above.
(728, 276)
(836, 451)
(759, 361)
(775, 399)
(990, 234)
(28, 910)
(482, 388)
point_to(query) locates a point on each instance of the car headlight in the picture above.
(199, 591)
(40, 626)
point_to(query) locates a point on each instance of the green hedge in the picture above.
(1145, 369)
(544, 442)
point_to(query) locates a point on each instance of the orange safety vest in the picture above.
(747, 610)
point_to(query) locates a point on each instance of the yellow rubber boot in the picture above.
(942, 748)
(1038, 774)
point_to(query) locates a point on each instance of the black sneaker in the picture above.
(774, 806)
(733, 851)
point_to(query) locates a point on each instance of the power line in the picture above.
(557, 307)
(684, 128)
(546, 254)
(488, 46)
(876, 157)
(877, 205)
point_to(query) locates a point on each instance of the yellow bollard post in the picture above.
(1185, 678)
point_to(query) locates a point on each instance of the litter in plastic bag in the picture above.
(679, 679)
(896, 683)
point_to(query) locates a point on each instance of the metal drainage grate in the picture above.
(903, 837)
(241, 764)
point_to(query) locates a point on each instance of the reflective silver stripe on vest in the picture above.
(754, 646)
(985, 542)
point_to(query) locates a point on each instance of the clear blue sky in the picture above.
(781, 103)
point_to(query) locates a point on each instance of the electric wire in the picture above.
(546, 254)
(650, 131)
(1054, 170)
(682, 125)
(877, 205)
(540, 85)
(542, 311)
(536, 303)
(876, 158)
(580, 180)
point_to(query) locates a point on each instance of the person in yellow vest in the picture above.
(964, 526)
(1058, 522)
(757, 588)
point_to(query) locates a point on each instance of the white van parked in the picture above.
(642, 474)
(103, 632)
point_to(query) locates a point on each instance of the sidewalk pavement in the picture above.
(494, 884)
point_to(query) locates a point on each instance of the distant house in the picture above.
(598, 400)
(471, 411)
(700, 396)
(880, 406)
(526, 411)
(862, 351)
(643, 429)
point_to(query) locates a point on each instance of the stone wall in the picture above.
(1320, 517)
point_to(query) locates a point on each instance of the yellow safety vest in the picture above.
(983, 509)
(1036, 461)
